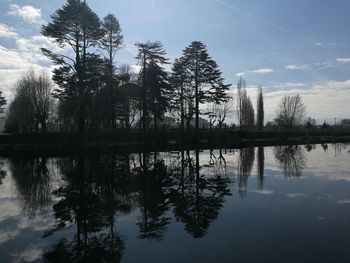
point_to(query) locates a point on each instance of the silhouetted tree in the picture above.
(74, 25)
(32, 101)
(260, 110)
(158, 91)
(179, 80)
(245, 110)
(290, 111)
(205, 77)
(148, 52)
(110, 43)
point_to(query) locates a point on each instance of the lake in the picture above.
(272, 204)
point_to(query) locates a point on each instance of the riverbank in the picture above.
(126, 141)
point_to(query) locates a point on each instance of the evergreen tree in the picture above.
(110, 43)
(205, 76)
(149, 52)
(260, 111)
(158, 89)
(74, 25)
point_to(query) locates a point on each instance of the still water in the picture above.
(273, 204)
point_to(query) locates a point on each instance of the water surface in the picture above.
(273, 204)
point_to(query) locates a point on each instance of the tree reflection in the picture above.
(245, 166)
(261, 166)
(33, 183)
(291, 160)
(95, 190)
(198, 198)
(2, 172)
(153, 183)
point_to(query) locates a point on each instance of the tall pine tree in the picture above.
(75, 26)
(204, 75)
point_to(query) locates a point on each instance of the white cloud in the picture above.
(7, 32)
(28, 13)
(296, 67)
(284, 85)
(343, 60)
(261, 71)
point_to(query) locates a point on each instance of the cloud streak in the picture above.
(262, 20)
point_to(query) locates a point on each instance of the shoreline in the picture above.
(58, 144)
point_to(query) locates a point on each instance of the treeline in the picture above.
(92, 93)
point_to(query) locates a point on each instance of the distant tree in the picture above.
(290, 112)
(205, 77)
(260, 111)
(149, 52)
(74, 25)
(110, 44)
(310, 123)
(179, 81)
(221, 110)
(325, 125)
(245, 110)
(32, 101)
(2, 103)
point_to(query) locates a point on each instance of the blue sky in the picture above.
(289, 46)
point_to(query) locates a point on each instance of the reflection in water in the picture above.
(153, 185)
(102, 204)
(2, 172)
(33, 183)
(99, 188)
(245, 166)
(94, 192)
(291, 160)
(261, 166)
(198, 198)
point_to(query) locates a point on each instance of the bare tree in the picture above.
(33, 96)
(221, 110)
(291, 111)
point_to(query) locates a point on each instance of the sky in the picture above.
(286, 47)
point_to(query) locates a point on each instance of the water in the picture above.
(274, 204)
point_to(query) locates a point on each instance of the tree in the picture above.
(158, 89)
(204, 75)
(111, 43)
(32, 103)
(290, 112)
(260, 111)
(2, 103)
(74, 25)
(148, 52)
(221, 110)
(179, 81)
(245, 110)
